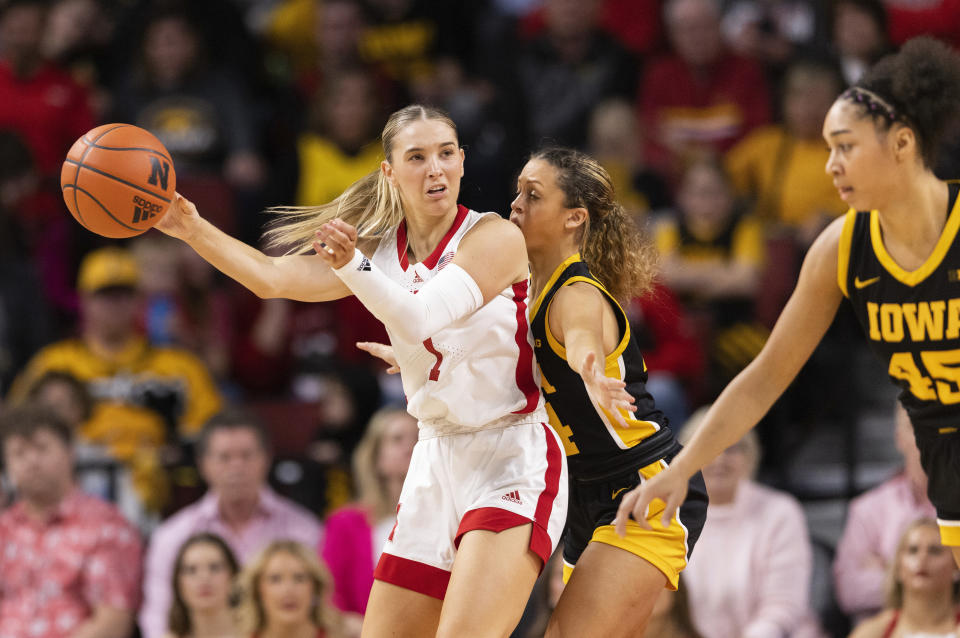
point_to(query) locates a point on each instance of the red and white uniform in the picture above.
(485, 458)
(476, 371)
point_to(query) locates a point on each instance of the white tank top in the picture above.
(478, 372)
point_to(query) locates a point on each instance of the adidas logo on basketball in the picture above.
(513, 497)
(144, 209)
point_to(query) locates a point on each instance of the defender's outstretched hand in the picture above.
(670, 486)
(381, 351)
(609, 393)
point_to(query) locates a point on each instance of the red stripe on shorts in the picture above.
(540, 541)
(525, 379)
(410, 574)
(492, 519)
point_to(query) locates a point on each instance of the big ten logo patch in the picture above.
(144, 209)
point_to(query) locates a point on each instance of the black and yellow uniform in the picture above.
(605, 459)
(912, 321)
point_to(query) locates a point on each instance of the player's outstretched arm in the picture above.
(576, 320)
(298, 277)
(801, 325)
(457, 291)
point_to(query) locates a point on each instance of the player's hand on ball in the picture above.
(336, 242)
(180, 219)
(670, 486)
(381, 351)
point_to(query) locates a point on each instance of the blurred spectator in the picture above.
(342, 144)
(77, 38)
(614, 139)
(780, 168)
(875, 524)
(699, 97)
(713, 258)
(186, 303)
(769, 31)
(567, 69)
(354, 535)
(750, 576)
(38, 99)
(24, 315)
(405, 38)
(285, 592)
(923, 592)
(671, 352)
(671, 615)
(909, 18)
(71, 564)
(64, 394)
(859, 32)
(635, 23)
(202, 586)
(233, 454)
(199, 112)
(144, 396)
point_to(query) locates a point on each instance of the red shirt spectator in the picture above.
(701, 97)
(907, 19)
(39, 101)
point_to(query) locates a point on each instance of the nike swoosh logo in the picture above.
(866, 282)
(615, 492)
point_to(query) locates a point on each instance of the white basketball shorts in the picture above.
(488, 480)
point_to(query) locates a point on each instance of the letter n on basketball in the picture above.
(158, 173)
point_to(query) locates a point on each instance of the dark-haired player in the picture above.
(894, 255)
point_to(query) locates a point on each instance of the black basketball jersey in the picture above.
(596, 446)
(911, 318)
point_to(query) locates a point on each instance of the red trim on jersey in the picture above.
(492, 519)
(431, 261)
(540, 539)
(435, 370)
(524, 373)
(410, 574)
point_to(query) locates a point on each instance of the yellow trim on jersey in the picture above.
(637, 430)
(914, 277)
(553, 279)
(843, 251)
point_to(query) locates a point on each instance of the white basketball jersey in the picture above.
(477, 370)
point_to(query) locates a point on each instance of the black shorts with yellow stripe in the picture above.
(940, 459)
(593, 506)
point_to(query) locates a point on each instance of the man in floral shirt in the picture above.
(70, 564)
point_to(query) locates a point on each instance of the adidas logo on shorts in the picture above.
(364, 265)
(513, 497)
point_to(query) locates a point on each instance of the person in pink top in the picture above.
(69, 562)
(750, 576)
(875, 521)
(233, 453)
(354, 535)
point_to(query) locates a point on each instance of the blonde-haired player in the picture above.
(484, 500)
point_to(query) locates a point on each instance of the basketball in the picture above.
(118, 180)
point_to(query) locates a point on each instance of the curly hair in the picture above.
(919, 87)
(618, 253)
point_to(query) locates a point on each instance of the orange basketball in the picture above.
(118, 180)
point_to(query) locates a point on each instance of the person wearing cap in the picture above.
(144, 396)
